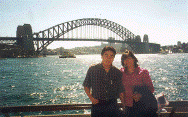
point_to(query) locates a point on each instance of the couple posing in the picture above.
(104, 83)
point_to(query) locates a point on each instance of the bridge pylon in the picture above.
(25, 40)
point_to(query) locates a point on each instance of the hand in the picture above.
(137, 97)
(94, 101)
(124, 109)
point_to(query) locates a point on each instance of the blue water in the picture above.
(54, 80)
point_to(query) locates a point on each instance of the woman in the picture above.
(136, 82)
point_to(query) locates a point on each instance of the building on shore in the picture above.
(8, 51)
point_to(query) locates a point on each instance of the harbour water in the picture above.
(54, 80)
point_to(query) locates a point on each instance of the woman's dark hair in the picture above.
(127, 54)
(107, 48)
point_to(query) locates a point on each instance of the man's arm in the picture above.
(93, 100)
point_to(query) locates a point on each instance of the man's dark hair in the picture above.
(107, 48)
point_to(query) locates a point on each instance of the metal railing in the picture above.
(175, 108)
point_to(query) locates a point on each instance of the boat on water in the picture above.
(165, 52)
(174, 109)
(67, 55)
(170, 52)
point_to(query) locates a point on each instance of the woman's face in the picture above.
(129, 61)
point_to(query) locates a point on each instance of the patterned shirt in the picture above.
(104, 86)
(139, 77)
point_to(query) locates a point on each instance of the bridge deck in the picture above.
(65, 39)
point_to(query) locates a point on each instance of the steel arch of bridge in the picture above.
(61, 29)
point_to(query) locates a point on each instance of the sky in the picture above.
(164, 21)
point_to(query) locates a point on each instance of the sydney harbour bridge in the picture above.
(87, 29)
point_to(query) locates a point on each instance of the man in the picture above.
(103, 85)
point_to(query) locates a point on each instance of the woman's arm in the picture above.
(147, 80)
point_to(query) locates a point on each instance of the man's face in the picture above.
(108, 58)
